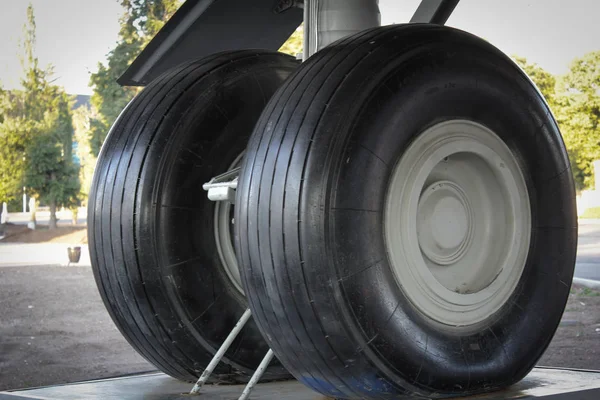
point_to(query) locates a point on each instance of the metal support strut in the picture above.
(257, 375)
(221, 352)
(434, 11)
(326, 21)
(222, 187)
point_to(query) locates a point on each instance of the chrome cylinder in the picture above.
(326, 21)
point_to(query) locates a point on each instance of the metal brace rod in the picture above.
(257, 375)
(434, 11)
(222, 187)
(221, 352)
(225, 178)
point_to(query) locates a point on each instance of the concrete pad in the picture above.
(21, 254)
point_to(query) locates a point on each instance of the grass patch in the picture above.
(589, 292)
(584, 291)
(591, 213)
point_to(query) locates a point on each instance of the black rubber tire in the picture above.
(151, 236)
(309, 216)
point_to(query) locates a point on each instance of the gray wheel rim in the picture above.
(223, 223)
(458, 223)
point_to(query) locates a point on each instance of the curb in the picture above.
(589, 283)
(29, 254)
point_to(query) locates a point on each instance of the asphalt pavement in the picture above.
(54, 329)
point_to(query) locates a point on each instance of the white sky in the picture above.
(74, 35)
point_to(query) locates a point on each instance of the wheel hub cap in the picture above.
(457, 223)
(444, 222)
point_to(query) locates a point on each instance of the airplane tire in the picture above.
(153, 232)
(406, 219)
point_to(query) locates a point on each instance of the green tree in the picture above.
(13, 145)
(575, 102)
(36, 134)
(19, 109)
(139, 24)
(294, 44)
(578, 113)
(82, 117)
(50, 173)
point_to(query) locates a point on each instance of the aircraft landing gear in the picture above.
(404, 217)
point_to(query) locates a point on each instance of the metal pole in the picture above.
(310, 31)
(337, 19)
(221, 352)
(326, 21)
(257, 375)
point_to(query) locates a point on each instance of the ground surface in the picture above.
(17, 233)
(577, 341)
(54, 328)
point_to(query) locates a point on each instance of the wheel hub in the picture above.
(457, 223)
(444, 223)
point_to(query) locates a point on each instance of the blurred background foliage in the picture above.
(575, 101)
